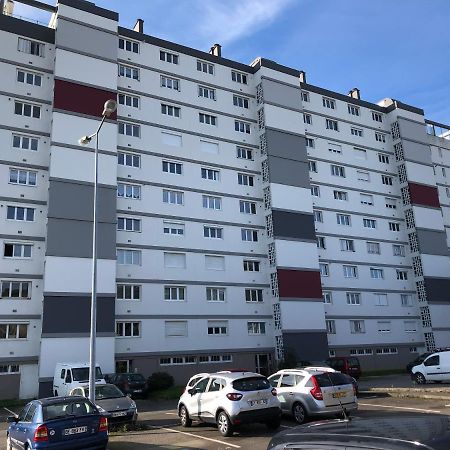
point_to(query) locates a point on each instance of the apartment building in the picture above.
(244, 213)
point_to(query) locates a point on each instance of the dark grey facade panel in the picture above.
(416, 152)
(72, 314)
(306, 345)
(281, 94)
(412, 130)
(401, 105)
(9, 386)
(27, 29)
(288, 172)
(263, 62)
(73, 238)
(286, 145)
(39, 5)
(91, 8)
(70, 200)
(45, 389)
(432, 242)
(437, 289)
(293, 225)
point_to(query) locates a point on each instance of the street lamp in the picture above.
(108, 109)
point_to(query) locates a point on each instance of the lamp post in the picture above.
(109, 108)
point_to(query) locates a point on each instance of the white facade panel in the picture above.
(283, 119)
(302, 316)
(291, 198)
(428, 218)
(436, 265)
(29, 386)
(419, 173)
(296, 254)
(88, 18)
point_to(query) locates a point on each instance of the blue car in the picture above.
(62, 423)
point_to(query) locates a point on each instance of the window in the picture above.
(305, 96)
(376, 273)
(27, 110)
(334, 148)
(218, 327)
(247, 207)
(126, 190)
(366, 199)
(129, 46)
(353, 298)
(256, 327)
(331, 124)
(380, 137)
(360, 153)
(33, 78)
(129, 257)
(331, 326)
(307, 118)
(253, 295)
(402, 274)
(340, 195)
(16, 250)
(129, 72)
(176, 328)
(170, 110)
(212, 232)
(350, 271)
(129, 100)
(168, 57)
(312, 165)
(205, 67)
(410, 326)
(175, 260)
(384, 326)
(328, 103)
(373, 247)
(128, 159)
(398, 250)
(315, 191)
(129, 129)
(128, 292)
(327, 297)
(207, 92)
(356, 131)
(390, 203)
(175, 293)
(377, 117)
(318, 216)
(20, 213)
(251, 265)
(242, 127)
(245, 180)
(25, 142)
(406, 299)
(239, 77)
(386, 351)
(170, 83)
(361, 351)
(172, 139)
(343, 219)
(128, 224)
(13, 330)
(338, 171)
(353, 110)
(207, 119)
(309, 142)
(214, 294)
(241, 102)
(15, 289)
(369, 223)
(381, 299)
(394, 226)
(383, 158)
(173, 228)
(214, 262)
(347, 245)
(321, 242)
(173, 197)
(210, 174)
(244, 153)
(357, 326)
(385, 179)
(211, 202)
(249, 235)
(31, 47)
(324, 270)
(9, 368)
(22, 177)
(172, 167)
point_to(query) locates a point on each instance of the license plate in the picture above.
(119, 414)
(258, 402)
(339, 394)
(75, 430)
(137, 391)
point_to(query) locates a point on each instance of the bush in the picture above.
(160, 380)
(289, 361)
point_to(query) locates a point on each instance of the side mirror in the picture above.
(12, 419)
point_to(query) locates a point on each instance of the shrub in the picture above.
(160, 380)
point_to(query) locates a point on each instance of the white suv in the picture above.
(230, 399)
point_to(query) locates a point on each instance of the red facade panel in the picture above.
(299, 283)
(81, 99)
(424, 195)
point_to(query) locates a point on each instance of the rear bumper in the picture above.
(258, 415)
(99, 443)
(129, 418)
(336, 409)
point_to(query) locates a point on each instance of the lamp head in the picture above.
(109, 107)
(84, 140)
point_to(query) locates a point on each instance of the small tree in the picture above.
(160, 380)
(289, 361)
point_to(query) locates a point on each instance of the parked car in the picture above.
(133, 384)
(411, 432)
(417, 361)
(69, 423)
(111, 402)
(230, 399)
(68, 376)
(435, 367)
(314, 392)
(346, 364)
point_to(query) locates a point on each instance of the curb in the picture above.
(429, 394)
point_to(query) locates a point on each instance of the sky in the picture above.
(386, 48)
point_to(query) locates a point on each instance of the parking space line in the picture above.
(171, 414)
(196, 436)
(400, 407)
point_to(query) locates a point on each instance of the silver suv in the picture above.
(314, 391)
(230, 399)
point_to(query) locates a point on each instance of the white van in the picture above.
(435, 367)
(69, 376)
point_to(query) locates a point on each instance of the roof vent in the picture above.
(302, 76)
(216, 50)
(139, 26)
(354, 93)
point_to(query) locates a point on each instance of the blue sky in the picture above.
(387, 48)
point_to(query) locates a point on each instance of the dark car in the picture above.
(60, 423)
(346, 364)
(133, 384)
(419, 360)
(408, 432)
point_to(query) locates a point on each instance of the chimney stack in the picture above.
(216, 50)
(354, 93)
(302, 76)
(139, 26)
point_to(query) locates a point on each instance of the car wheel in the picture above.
(186, 421)
(299, 412)
(420, 379)
(273, 424)
(224, 424)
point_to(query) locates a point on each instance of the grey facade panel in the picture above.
(432, 242)
(72, 314)
(412, 130)
(306, 345)
(46, 389)
(79, 38)
(293, 225)
(438, 290)
(285, 145)
(281, 94)
(9, 386)
(415, 152)
(291, 173)
(69, 200)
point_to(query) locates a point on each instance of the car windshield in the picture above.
(67, 409)
(136, 377)
(251, 384)
(82, 373)
(332, 379)
(353, 362)
(106, 391)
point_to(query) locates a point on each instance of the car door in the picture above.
(286, 391)
(16, 434)
(193, 400)
(433, 370)
(211, 398)
(28, 426)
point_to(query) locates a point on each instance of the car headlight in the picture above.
(133, 405)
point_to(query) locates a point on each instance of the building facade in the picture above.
(244, 214)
